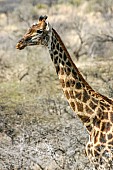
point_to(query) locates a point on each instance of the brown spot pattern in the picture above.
(105, 126)
(110, 136)
(78, 95)
(71, 94)
(89, 127)
(62, 82)
(84, 118)
(79, 106)
(110, 143)
(68, 83)
(96, 153)
(96, 136)
(61, 71)
(67, 94)
(57, 69)
(94, 100)
(88, 110)
(111, 117)
(74, 73)
(92, 105)
(72, 105)
(100, 113)
(72, 83)
(97, 122)
(105, 115)
(102, 138)
(78, 85)
(68, 71)
(86, 97)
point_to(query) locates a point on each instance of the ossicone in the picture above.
(42, 17)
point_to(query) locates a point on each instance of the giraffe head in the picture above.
(38, 34)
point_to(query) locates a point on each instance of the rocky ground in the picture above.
(38, 130)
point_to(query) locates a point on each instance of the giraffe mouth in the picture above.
(20, 46)
(23, 43)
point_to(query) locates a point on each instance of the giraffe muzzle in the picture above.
(29, 41)
(21, 44)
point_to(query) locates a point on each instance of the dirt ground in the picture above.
(38, 130)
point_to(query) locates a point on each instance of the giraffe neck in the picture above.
(79, 94)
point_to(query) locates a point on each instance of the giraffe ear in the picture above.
(45, 17)
(47, 26)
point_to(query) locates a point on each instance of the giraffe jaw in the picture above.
(23, 43)
(20, 46)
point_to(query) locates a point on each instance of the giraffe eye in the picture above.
(39, 31)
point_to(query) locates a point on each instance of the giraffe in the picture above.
(94, 110)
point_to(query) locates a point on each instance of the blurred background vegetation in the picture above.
(37, 128)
